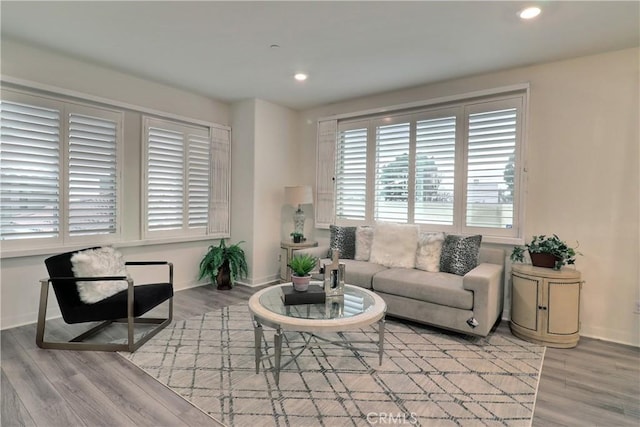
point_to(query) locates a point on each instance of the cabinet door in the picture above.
(563, 308)
(524, 302)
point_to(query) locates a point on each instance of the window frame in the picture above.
(462, 105)
(186, 131)
(129, 226)
(65, 108)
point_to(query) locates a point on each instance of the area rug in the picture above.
(427, 377)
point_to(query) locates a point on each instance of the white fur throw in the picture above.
(364, 239)
(394, 245)
(429, 251)
(104, 261)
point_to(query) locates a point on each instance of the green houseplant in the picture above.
(222, 264)
(302, 265)
(297, 237)
(550, 252)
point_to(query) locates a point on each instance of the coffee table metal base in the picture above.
(308, 336)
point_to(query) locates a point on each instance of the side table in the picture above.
(545, 305)
(286, 252)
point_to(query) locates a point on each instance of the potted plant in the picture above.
(549, 252)
(222, 264)
(301, 265)
(297, 237)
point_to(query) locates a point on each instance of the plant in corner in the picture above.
(550, 252)
(302, 265)
(222, 264)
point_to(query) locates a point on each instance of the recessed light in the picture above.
(300, 77)
(529, 13)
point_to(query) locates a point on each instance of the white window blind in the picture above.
(490, 168)
(165, 179)
(187, 176)
(435, 168)
(199, 165)
(93, 175)
(392, 172)
(30, 171)
(351, 172)
(454, 167)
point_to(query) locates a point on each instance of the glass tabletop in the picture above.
(355, 301)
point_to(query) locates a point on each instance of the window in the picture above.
(452, 167)
(59, 174)
(186, 179)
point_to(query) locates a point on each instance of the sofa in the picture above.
(468, 300)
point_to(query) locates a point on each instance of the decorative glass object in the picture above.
(334, 276)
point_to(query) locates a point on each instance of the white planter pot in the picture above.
(300, 283)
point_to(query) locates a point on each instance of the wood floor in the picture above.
(594, 384)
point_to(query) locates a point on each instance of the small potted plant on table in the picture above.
(222, 264)
(297, 237)
(302, 265)
(549, 252)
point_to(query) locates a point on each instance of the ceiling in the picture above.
(349, 49)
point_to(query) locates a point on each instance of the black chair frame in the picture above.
(77, 343)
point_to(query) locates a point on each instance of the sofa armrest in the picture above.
(486, 283)
(317, 251)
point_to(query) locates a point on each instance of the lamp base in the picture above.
(298, 221)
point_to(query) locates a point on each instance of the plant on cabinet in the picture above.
(549, 252)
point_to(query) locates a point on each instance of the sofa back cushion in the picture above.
(364, 240)
(394, 245)
(429, 250)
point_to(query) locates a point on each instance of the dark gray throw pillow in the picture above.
(460, 254)
(344, 240)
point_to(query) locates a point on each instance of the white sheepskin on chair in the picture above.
(105, 261)
(394, 245)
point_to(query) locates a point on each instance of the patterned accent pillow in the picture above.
(429, 251)
(364, 239)
(105, 261)
(460, 254)
(344, 240)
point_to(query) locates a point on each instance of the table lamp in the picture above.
(296, 196)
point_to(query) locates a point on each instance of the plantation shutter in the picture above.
(351, 171)
(491, 153)
(93, 173)
(198, 173)
(392, 172)
(165, 178)
(325, 173)
(29, 171)
(220, 225)
(435, 167)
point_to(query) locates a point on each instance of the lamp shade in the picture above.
(298, 195)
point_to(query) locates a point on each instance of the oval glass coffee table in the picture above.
(356, 309)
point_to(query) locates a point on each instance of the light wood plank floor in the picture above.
(594, 384)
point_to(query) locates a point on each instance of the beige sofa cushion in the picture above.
(437, 288)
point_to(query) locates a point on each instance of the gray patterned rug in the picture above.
(427, 378)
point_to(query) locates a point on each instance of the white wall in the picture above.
(583, 160)
(264, 139)
(19, 290)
